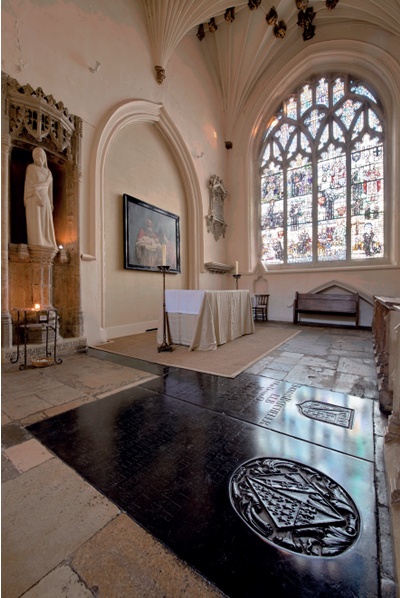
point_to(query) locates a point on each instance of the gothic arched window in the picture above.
(322, 177)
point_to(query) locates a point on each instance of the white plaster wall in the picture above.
(189, 84)
(53, 44)
(140, 165)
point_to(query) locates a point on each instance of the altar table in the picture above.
(205, 319)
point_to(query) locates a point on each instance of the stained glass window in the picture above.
(322, 176)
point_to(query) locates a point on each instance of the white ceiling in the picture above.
(238, 53)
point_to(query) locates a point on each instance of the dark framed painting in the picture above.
(151, 237)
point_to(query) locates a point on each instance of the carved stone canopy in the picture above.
(39, 120)
(215, 219)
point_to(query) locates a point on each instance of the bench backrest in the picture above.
(339, 303)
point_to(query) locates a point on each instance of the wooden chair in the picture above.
(260, 309)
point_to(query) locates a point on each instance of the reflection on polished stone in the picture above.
(276, 404)
(170, 465)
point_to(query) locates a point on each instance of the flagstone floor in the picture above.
(63, 536)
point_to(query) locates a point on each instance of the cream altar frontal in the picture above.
(205, 319)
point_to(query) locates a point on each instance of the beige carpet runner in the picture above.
(227, 360)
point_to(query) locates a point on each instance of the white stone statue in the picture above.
(38, 200)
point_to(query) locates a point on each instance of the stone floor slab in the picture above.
(20, 407)
(356, 367)
(8, 471)
(362, 386)
(268, 372)
(311, 376)
(12, 434)
(63, 394)
(123, 559)
(317, 362)
(63, 582)
(95, 376)
(28, 454)
(47, 513)
(170, 466)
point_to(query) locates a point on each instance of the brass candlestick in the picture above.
(237, 276)
(164, 345)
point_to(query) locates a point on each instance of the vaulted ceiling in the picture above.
(238, 52)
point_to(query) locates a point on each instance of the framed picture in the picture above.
(150, 234)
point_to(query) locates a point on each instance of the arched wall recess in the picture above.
(135, 112)
(345, 287)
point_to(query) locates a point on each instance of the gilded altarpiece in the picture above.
(32, 274)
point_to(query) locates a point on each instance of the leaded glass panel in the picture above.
(276, 151)
(367, 200)
(305, 99)
(374, 121)
(267, 154)
(331, 210)
(304, 143)
(272, 245)
(300, 244)
(324, 137)
(322, 96)
(338, 90)
(362, 91)
(359, 124)
(284, 132)
(291, 108)
(313, 121)
(332, 240)
(292, 147)
(322, 183)
(347, 112)
(338, 134)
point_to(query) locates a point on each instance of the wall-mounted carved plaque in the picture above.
(295, 507)
(215, 219)
(218, 268)
(330, 414)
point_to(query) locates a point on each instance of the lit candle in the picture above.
(164, 255)
(37, 306)
(236, 267)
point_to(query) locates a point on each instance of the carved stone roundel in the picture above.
(295, 507)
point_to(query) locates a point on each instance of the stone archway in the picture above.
(142, 111)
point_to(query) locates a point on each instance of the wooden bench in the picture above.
(326, 304)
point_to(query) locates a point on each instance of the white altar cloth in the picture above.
(205, 319)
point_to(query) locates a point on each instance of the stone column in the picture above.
(6, 321)
(42, 259)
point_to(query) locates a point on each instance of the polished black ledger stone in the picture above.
(256, 511)
(330, 419)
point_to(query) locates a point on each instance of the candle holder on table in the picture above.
(237, 276)
(164, 345)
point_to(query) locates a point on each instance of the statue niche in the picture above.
(41, 184)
